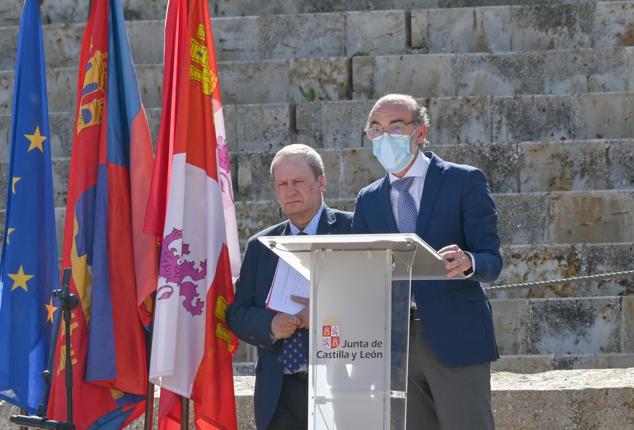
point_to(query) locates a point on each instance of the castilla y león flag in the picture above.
(104, 244)
(191, 345)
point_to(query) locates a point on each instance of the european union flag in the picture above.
(28, 267)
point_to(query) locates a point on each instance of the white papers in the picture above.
(286, 282)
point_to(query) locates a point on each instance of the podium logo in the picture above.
(330, 336)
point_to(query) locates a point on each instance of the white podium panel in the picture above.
(349, 382)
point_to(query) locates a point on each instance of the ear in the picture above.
(322, 183)
(422, 133)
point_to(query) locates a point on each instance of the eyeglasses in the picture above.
(396, 129)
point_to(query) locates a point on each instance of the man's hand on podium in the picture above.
(284, 325)
(456, 260)
(304, 314)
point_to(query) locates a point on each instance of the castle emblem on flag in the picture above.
(330, 335)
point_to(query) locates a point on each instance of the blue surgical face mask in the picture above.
(393, 152)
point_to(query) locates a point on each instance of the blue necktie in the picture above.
(295, 351)
(407, 212)
(295, 348)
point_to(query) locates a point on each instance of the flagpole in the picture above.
(148, 419)
(184, 413)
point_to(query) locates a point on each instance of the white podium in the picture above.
(359, 322)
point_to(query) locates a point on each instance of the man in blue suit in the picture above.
(281, 390)
(448, 205)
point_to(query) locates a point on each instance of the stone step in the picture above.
(252, 38)
(550, 25)
(588, 325)
(339, 78)
(530, 167)
(536, 72)
(598, 399)
(368, 33)
(582, 165)
(454, 120)
(525, 364)
(68, 11)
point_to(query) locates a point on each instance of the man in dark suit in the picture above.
(448, 205)
(281, 390)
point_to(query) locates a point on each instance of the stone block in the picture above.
(510, 319)
(146, 41)
(499, 74)
(564, 166)
(501, 177)
(606, 115)
(528, 263)
(254, 182)
(482, 29)
(254, 82)
(627, 324)
(574, 326)
(301, 36)
(334, 172)
(424, 76)
(263, 127)
(360, 168)
(526, 118)
(254, 216)
(620, 162)
(319, 79)
(522, 218)
(459, 120)
(237, 38)
(564, 399)
(375, 33)
(598, 216)
(612, 24)
(551, 26)
(307, 124)
(587, 71)
(343, 123)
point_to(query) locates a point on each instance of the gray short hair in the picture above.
(312, 157)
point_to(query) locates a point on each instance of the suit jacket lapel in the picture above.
(327, 221)
(433, 181)
(386, 205)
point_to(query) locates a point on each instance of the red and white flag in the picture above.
(191, 204)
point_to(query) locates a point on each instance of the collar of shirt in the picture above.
(311, 228)
(418, 169)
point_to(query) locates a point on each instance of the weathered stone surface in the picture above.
(566, 166)
(376, 33)
(627, 324)
(575, 326)
(262, 128)
(511, 319)
(563, 399)
(550, 72)
(598, 216)
(543, 363)
(612, 24)
(528, 263)
(522, 218)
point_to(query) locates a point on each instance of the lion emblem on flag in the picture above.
(178, 272)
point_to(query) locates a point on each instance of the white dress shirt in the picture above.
(419, 172)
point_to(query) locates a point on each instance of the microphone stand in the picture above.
(68, 302)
